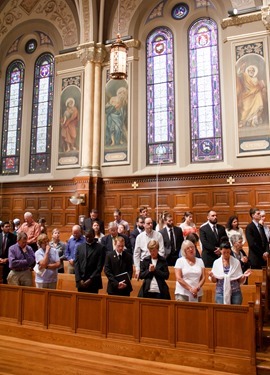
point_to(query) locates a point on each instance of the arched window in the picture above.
(42, 114)
(205, 106)
(12, 118)
(160, 97)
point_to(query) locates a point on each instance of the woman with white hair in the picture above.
(190, 274)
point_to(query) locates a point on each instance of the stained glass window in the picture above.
(205, 106)
(160, 97)
(12, 119)
(42, 113)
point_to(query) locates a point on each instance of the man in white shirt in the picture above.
(141, 251)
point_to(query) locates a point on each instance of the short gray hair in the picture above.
(185, 245)
(235, 238)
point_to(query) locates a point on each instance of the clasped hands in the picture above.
(122, 285)
(86, 283)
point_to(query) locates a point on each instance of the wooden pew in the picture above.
(67, 282)
(220, 336)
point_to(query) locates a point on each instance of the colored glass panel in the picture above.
(12, 118)
(206, 127)
(42, 113)
(160, 97)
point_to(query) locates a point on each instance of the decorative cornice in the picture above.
(66, 57)
(91, 52)
(240, 20)
(266, 16)
(131, 43)
(192, 177)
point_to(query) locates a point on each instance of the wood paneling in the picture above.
(199, 334)
(195, 192)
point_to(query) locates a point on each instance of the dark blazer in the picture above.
(11, 240)
(89, 263)
(209, 243)
(113, 267)
(179, 238)
(107, 242)
(133, 236)
(88, 222)
(255, 246)
(161, 274)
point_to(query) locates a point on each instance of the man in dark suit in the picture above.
(109, 240)
(211, 234)
(137, 230)
(257, 241)
(173, 238)
(117, 262)
(7, 239)
(89, 261)
(88, 222)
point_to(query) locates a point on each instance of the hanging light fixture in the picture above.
(118, 55)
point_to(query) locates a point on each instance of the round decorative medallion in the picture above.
(180, 11)
(31, 46)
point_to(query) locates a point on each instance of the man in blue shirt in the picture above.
(76, 239)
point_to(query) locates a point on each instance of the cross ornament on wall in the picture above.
(230, 180)
(50, 188)
(135, 185)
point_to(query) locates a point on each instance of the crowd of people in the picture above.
(25, 247)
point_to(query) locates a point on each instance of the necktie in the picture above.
(120, 259)
(215, 231)
(172, 241)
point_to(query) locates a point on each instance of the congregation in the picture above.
(145, 253)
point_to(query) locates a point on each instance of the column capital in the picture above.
(91, 52)
(266, 16)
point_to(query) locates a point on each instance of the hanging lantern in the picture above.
(118, 59)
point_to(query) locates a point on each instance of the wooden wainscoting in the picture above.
(209, 336)
(227, 192)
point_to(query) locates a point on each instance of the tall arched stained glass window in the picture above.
(206, 130)
(12, 119)
(42, 114)
(160, 97)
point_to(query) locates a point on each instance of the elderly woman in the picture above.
(238, 252)
(189, 273)
(228, 276)
(154, 271)
(47, 263)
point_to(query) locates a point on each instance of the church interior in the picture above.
(177, 132)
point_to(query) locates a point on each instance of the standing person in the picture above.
(60, 247)
(257, 241)
(139, 227)
(96, 229)
(189, 274)
(239, 253)
(172, 238)
(32, 229)
(47, 264)
(17, 224)
(88, 222)
(154, 271)
(42, 223)
(90, 257)
(187, 225)
(210, 237)
(265, 227)
(141, 250)
(69, 125)
(109, 240)
(118, 262)
(232, 227)
(228, 276)
(7, 239)
(21, 261)
(70, 253)
(144, 211)
(118, 220)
